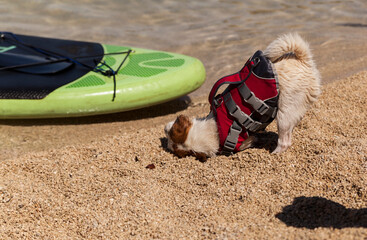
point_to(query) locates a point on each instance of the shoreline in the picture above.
(27, 135)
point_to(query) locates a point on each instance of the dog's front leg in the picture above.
(284, 139)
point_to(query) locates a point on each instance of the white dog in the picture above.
(299, 87)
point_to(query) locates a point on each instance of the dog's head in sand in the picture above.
(183, 138)
(299, 86)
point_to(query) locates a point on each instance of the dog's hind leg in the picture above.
(287, 119)
(289, 115)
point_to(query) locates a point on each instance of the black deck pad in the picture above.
(37, 82)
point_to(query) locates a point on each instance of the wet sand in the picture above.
(88, 177)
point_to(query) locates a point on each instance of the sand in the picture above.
(111, 177)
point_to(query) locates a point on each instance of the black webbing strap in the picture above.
(57, 58)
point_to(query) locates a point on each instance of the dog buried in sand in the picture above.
(281, 83)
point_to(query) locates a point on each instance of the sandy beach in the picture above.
(112, 177)
(126, 185)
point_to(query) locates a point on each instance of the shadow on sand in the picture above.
(266, 140)
(314, 212)
(357, 25)
(143, 113)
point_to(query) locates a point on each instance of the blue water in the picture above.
(221, 33)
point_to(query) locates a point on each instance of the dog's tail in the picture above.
(287, 46)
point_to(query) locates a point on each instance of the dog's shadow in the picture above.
(266, 140)
(162, 109)
(314, 212)
(164, 144)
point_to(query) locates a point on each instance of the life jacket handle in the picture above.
(232, 79)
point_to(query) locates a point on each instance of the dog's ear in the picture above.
(180, 129)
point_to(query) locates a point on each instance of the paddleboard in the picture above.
(47, 78)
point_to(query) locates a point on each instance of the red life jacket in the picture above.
(248, 104)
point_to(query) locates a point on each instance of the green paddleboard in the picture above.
(47, 78)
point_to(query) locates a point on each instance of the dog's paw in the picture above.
(276, 150)
(280, 148)
(200, 156)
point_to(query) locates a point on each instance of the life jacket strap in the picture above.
(232, 139)
(233, 79)
(243, 119)
(259, 105)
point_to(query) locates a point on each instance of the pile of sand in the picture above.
(104, 189)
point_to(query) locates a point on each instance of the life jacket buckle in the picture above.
(217, 102)
(263, 109)
(255, 61)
